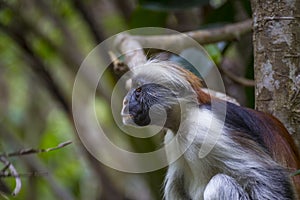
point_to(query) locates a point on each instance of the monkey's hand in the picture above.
(224, 187)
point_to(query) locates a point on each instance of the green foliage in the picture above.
(43, 49)
(64, 8)
(214, 52)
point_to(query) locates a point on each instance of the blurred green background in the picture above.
(42, 44)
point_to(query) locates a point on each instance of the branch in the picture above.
(131, 46)
(225, 33)
(132, 50)
(119, 67)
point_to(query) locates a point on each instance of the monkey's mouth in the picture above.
(127, 119)
(126, 116)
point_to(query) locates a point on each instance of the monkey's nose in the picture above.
(125, 102)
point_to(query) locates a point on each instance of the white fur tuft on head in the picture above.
(165, 73)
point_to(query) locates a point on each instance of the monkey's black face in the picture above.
(138, 102)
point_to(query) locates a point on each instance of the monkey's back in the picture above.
(268, 132)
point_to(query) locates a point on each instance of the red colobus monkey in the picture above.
(251, 159)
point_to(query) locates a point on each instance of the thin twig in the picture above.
(238, 79)
(34, 151)
(31, 174)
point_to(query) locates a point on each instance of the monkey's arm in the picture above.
(174, 181)
(224, 187)
(174, 189)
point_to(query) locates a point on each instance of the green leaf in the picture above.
(296, 173)
(214, 52)
(167, 5)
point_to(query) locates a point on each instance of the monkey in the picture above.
(252, 156)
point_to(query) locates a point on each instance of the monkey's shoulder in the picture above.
(263, 128)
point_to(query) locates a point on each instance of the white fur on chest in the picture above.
(199, 127)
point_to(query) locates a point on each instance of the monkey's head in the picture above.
(158, 91)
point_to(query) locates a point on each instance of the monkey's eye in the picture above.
(138, 92)
(139, 89)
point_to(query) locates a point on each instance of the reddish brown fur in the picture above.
(280, 144)
(203, 98)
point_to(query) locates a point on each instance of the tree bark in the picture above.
(276, 39)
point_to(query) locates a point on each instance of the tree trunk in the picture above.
(276, 39)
